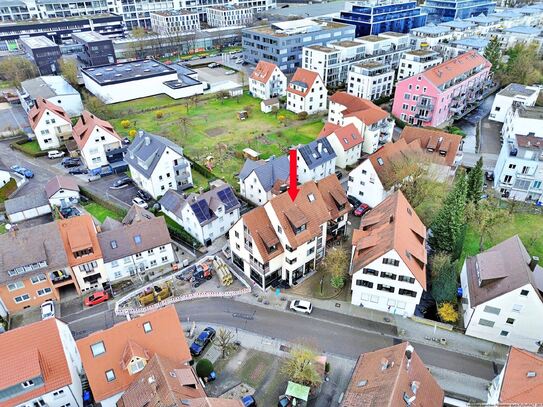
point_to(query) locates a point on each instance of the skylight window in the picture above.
(98, 348)
(113, 244)
(380, 161)
(137, 239)
(311, 198)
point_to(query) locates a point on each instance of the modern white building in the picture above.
(521, 120)
(230, 15)
(389, 274)
(178, 22)
(417, 61)
(283, 240)
(138, 246)
(316, 160)
(512, 93)
(62, 191)
(306, 92)
(373, 123)
(519, 35)
(257, 179)
(500, 299)
(346, 142)
(50, 124)
(430, 36)
(157, 164)
(44, 364)
(95, 138)
(267, 81)
(206, 216)
(371, 80)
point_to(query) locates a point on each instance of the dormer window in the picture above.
(272, 248)
(300, 229)
(136, 365)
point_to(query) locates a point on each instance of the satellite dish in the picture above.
(8, 226)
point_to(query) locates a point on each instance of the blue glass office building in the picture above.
(441, 11)
(382, 16)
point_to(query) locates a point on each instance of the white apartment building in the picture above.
(173, 23)
(512, 93)
(315, 160)
(386, 48)
(283, 240)
(484, 24)
(500, 299)
(521, 120)
(417, 61)
(518, 35)
(94, 138)
(230, 15)
(45, 366)
(389, 274)
(267, 81)
(50, 124)
(157, 164)
(373, 123)
(430, 36)
(306, 92)
(370, 80)
(346, 142)
(257, 179)
(207, 216)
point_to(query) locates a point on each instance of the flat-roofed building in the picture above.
(174, 22)
(370, 80)
(96, 48)
(417, 61)
(230, 15)
(44, 52)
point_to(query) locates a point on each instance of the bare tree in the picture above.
(223, 341)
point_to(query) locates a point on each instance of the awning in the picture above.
(297, 391)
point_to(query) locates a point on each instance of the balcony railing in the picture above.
(259, 267)
(59, 276)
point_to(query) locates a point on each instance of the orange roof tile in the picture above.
(31, 351)
(263, 71)
(384, 377)
(348, 136)
(328, 129)
(79, 233)
(517, 386)
(392, 225)
(445, 145)
(262, 232)
(85, 126)
(302, 77)
(365, 110)
(451, 69)
(41, 106)
(165, 338)
(334, 196)
(385, 156)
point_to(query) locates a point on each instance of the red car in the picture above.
(361, 210)
(96, 298)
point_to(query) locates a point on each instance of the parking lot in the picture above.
(12, 118)
(122, 196)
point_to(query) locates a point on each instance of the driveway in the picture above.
(12, 118)
(121, 196)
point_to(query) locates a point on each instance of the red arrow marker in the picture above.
(293, 188)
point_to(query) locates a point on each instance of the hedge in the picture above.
(103, 202)
(19, 145)
(177, 232)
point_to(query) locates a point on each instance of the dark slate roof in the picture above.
(313, 157)
(145, 152)
(25, 202)
(136, 214)
(267, 172)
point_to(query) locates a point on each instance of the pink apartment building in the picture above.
(446, 91)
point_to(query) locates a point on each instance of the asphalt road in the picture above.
(332, 332)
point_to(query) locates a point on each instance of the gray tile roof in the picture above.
(317, 152)
(145, 152)
(27, 246)
(25, 202)
(268, 171)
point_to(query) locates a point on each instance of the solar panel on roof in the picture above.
(201, 210)
(228, 198)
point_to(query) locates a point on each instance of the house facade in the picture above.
(62, 191)
(257, 178)
(95, 138)
(267, 81)
(500, 298)
(50, 124)
(229, 15)
(370, 80)
(443, 92)
(512, 93)
(388, 261)
(306, 92)
(315, 160)
(346, 142)
(157, 164)
(417, 61)
(206, 216)
(174, 22)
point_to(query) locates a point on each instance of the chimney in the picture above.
(408, 354)
(147, 140)
(152, 382)
(534, 261)
(319, 147)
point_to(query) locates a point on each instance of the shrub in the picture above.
(281, 117)
(204, 367)
(125, 123)
(132, 133)
(337, 282)
(447, 312)
(159, 114)
(302, 115)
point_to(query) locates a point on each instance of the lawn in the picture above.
(101, 213)
(212, 130)
(31, 148)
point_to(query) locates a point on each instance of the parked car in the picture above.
(47, 309)
(140, 202)
(201, 274)
(146, 196)
(353, 201)
(301, 306)
(339, 174)
(77, 171)
(239, 61)
(284, 401)
(200, 343)
(69, 162)
(230, 73)
(121, 183)
(213, 65)
(22, 171)
(55, 154)
(96, 298)
(248, 401)
(361, 210)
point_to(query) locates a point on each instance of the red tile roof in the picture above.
(85, 126)
(31, 351)
(365, 110)
(384, 377)
(79, 233)
(305, 77)
(444, 145)
(517, 386)
(392, 225)
(328, 129)
(334, 196)
(263, 71)
(348, 136)
(385, 156)
(455, 67)
(165, 338)
(261, 230)
(41, 106)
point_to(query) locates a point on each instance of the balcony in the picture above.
(59, 276)
(263, 269)
(424, 116)
(425, 104)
